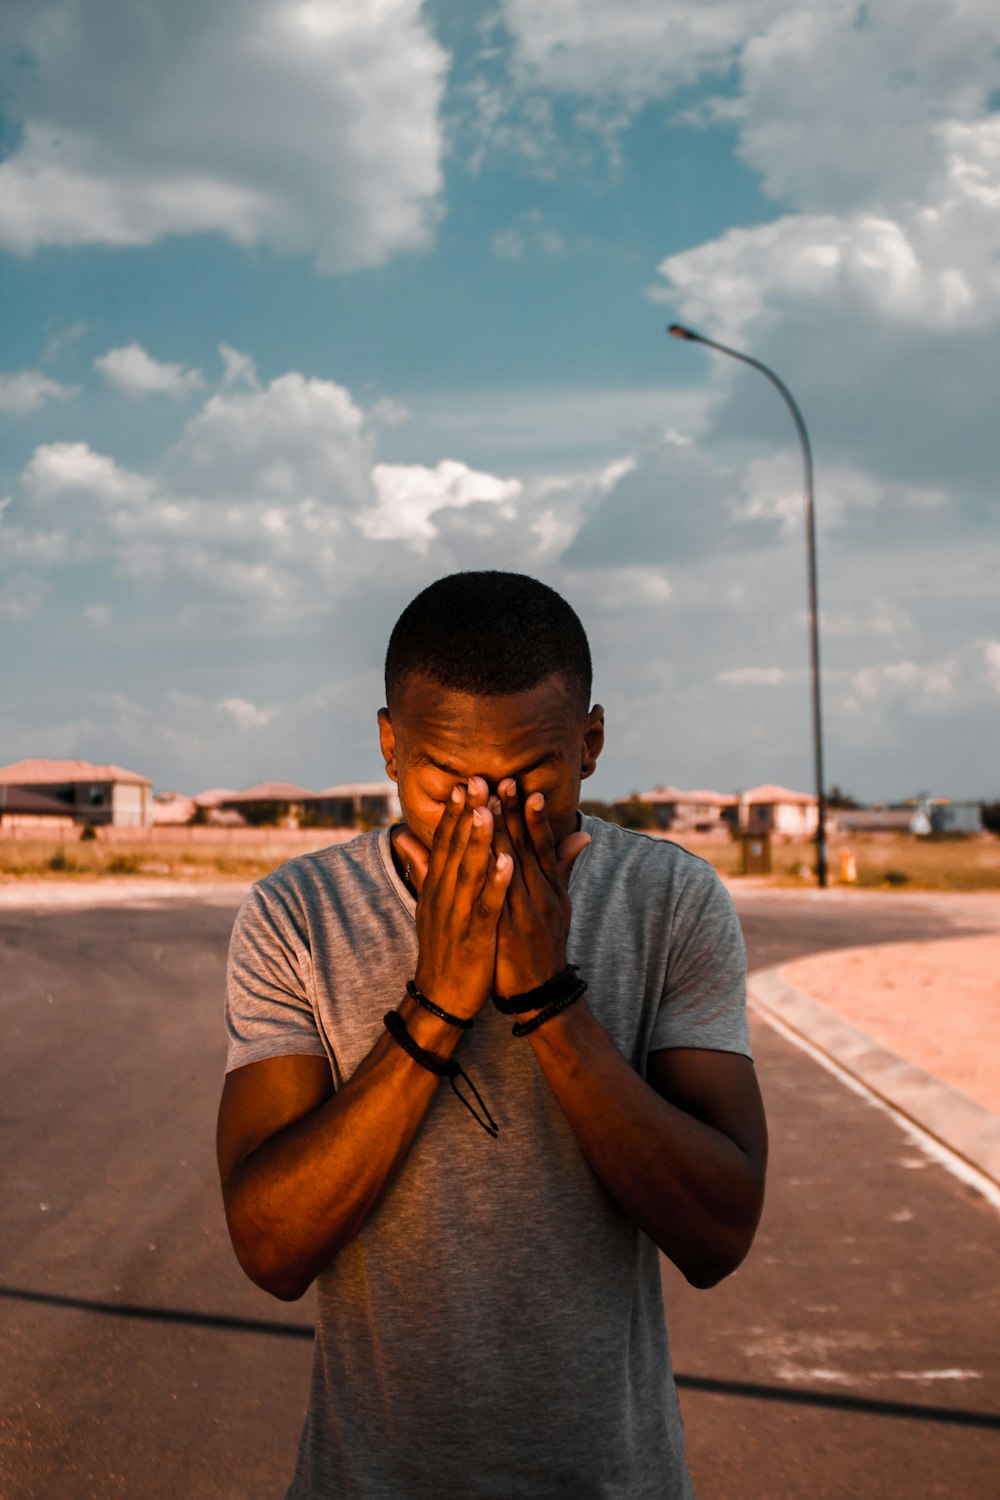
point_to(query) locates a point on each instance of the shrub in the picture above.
(89, 833)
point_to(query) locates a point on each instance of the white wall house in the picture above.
(91, 793)
(777, 810)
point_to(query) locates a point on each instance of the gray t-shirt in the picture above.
(496, 1331)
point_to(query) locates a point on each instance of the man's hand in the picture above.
(461, 885)
(534, 924)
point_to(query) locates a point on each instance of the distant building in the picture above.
(778, 810)
(921, 817)
(89, 793)
(684, 812)
(355, 804)
(882, 820)
(369, 804)
(955, 817)
(269, 802)
(172, 809)
(21, 809)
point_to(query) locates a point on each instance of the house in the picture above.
(91, 793)
(955, 817)
(777, 810)
(21, 809)
(172, 809)
(882, 820)
(271, 803)
(685, 812)
(360, 804)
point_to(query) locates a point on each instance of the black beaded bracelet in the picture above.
(540, 996)
(463, 1021)
(444, 1067)
(523, 1028)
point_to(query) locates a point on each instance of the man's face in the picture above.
(437, 737)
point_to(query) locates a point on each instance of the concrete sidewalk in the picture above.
(915, 1024)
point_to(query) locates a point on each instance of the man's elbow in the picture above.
(722, 1252)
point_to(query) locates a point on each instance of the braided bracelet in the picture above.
(444, 1067)
(540, 996)
(523, 1028)
(411, 989)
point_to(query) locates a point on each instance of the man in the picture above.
(490, 1320)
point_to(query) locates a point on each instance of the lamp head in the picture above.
(678, 331)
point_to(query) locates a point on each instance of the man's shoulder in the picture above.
(323, 876)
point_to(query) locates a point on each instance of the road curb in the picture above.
(966, 1128)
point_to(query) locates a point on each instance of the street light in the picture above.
(678, 332)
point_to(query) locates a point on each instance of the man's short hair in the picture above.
(489, 633)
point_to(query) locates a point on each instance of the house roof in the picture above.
(15, 799)
(215, 795)
(38, 772)
(269, 791)
(674, 794)
(359, 789)
(771, 793)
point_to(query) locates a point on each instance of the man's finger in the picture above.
(540, 831)
(416, 858)
(488, 908)
(502, 844)
(444, 832)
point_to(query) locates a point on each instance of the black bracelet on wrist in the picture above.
(540, 996)
(463, 1021)
(523, 1028)
(444, 1067)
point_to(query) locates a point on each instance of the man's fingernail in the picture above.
(457, 793)
(503, 861)
(479, 816)
(494, 805)
(536, 802)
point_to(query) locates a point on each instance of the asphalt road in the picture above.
(855, 1354)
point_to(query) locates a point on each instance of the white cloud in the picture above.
(135, 373)
(409, 496)
(757, 676)
(60, 470)
(991, 656)
(22, 597)
(311, 127)
(508, 244)
(29, 390)
(238, 368)
(99, 616)
(634, 49)
(247, 715)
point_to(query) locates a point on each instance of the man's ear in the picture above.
(387, 740)
(593, 741)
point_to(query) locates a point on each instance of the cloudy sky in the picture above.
(306, 304)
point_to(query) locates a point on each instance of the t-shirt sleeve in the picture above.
(704, 999)
(268, 1010)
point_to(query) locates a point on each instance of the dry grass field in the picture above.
(882, 860)
(189, 854)
(885, 861)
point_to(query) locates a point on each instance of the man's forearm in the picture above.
(691, 1188)
(306, 1192)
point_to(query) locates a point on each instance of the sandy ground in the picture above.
(937, 1004)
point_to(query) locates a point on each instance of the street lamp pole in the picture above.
(679, 332)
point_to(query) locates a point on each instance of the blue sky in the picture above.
(306, 304)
